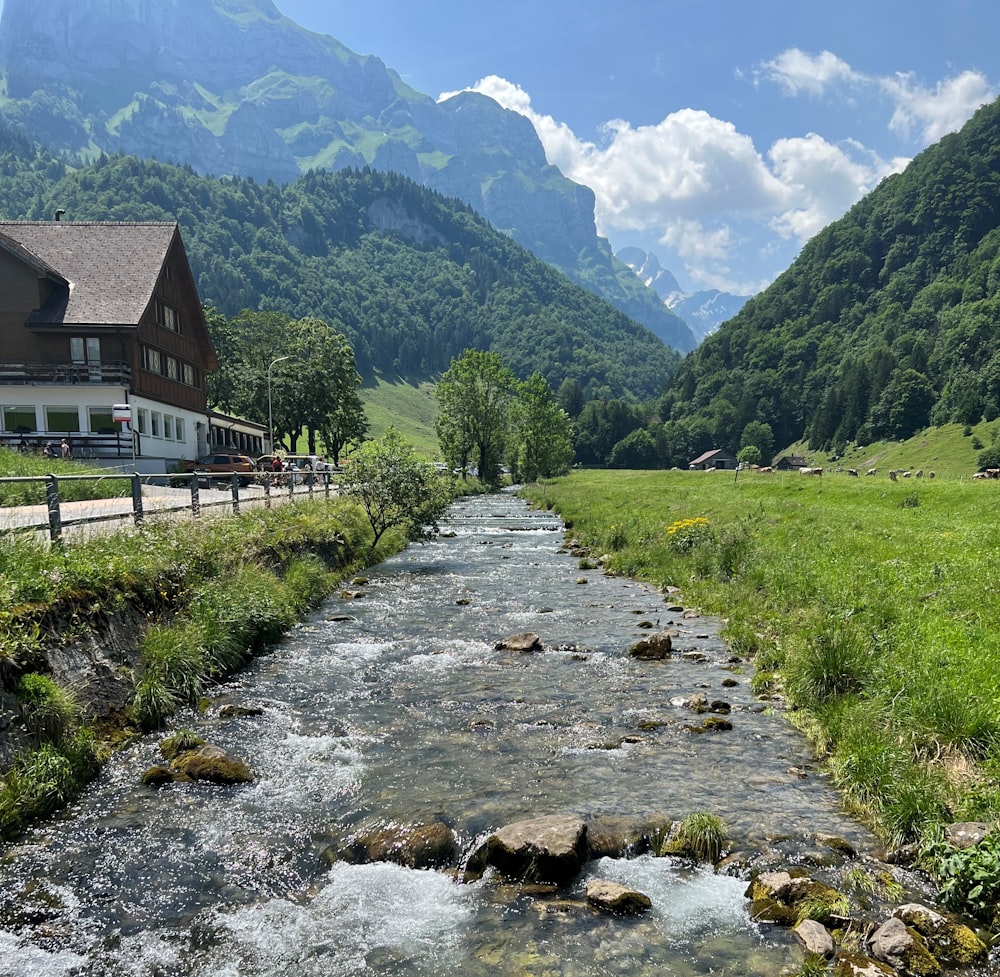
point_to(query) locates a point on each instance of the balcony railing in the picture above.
(118, 374)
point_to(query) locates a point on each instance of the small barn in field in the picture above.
(714, 459)
(789, 463)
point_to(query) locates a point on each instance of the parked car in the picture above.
(221, 465)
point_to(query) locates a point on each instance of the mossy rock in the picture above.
(180, 742)
(212, 764)
(950, 941)
(157, 776)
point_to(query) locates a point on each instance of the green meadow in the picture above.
(869, 607)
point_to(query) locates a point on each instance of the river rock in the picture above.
(545, 849)
(966, 834)
(620, 836)
(528, 641)
(212, 764)
(157, 776)
(815, 937)
(858, 965)
(419, 846)
(610, 897)
(902, 949)
(778, 897)
(654, 648)
(950, 941)
(232, 711)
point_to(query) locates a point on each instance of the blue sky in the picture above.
(718, 134)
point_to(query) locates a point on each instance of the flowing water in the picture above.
(394, 707)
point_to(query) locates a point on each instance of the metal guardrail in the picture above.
(160, 497)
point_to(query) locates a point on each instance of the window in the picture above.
(188, 374)
(179, 428)
(168, 317)
(156, 429)
(171, 367)
(168, 426)
(62, 419)
(102, 422)
(143, 427)
(151, 359)
(19, 420)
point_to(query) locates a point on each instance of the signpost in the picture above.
(122, 414)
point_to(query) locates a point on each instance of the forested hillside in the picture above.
(887, 321)
(410, 277)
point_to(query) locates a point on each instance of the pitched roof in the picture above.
(111, 268)
(710, 454)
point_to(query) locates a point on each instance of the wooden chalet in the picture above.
(94, 314)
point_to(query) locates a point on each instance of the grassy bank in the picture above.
(870, 605)
(212, 593)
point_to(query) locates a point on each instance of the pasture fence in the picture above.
(52, 506)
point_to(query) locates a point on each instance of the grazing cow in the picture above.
(871, 471)
(892, 474)
(907, 474)
(980, 475)
(853, 472)
(810, 471)
(919, 473)
(766, 469)
(930, 474)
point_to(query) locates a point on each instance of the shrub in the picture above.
(48, 710)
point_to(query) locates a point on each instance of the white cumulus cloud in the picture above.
(700, 186)
(934, 112)
(796, 72)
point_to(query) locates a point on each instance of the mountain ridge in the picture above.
(233, 87)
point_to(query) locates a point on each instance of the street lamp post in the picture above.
(270, 422)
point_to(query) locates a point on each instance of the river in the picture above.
(391, 704)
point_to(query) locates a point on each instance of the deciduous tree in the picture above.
(475, 397)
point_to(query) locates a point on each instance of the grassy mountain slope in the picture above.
(885, 323)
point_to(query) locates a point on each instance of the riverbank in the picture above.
(866, 604)
(104, 638)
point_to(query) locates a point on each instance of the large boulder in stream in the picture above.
(414, 846)
(547, 849)
(901, 947)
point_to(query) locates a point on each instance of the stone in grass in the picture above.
(610, 897)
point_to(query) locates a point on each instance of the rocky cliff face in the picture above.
(234, 87)
(702, 311)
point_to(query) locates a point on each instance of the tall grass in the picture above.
(880, 617)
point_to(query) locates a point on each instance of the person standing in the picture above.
(66, 449)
